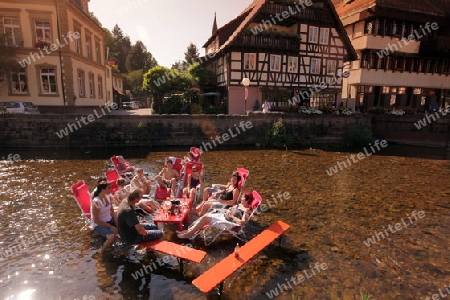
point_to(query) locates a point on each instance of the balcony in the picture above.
(307, 13)
(435, 46)
(283, 43)
(391, 78)
(385, 42)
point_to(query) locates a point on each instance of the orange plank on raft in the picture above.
(226, 267)
(176, 250)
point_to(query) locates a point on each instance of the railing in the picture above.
(307, 13)
(270, 42)
(434, 45)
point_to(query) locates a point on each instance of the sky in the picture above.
(167, 27)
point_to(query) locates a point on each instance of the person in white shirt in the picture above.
(266, 107)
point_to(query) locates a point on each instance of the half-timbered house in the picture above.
(404, 53)
(287, 49)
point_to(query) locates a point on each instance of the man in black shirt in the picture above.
(131, 231)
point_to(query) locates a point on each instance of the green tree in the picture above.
(139, 58)
(110, 43)
(133, 82)
(179, 65)
(123, 47)
(191, 55)
(158, 81)
(181, 82)
(201, 75)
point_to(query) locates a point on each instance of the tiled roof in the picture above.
(430, 7)
(228, 31)
(232, 29)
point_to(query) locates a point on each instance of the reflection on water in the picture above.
(46, 253)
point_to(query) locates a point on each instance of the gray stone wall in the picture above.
(169, 130)
(434, 129)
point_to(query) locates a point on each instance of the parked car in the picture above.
(129, 105)
(138, 103)
(16, 107)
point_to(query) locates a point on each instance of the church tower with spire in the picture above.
(214, 28)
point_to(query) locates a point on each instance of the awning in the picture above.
(210, 94)
(119, 91)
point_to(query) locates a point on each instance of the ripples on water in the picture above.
(330, 219)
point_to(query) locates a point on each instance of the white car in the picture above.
(129, 105)
(15, 107)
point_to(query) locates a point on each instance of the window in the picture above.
(331, 67)
(12, 31)
(324, 36)
(249, 61)
(100, 87)
(275, 62)
(48, 81)
(43, 31)
(19, 82)
(98, 53)
(313, 34)
(77, 28)
(315, 66)
(91, 85)
(292, 64)
(88, 45)
(81, 84)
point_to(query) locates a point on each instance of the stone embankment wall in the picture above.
(431, 130)
(170, 130)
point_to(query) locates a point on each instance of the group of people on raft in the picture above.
(114, 215)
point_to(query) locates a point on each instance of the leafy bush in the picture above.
(172, 105)
(395, 111)
(275, 135)
(3, 110)
(290, 108)
(358, 137)
(196, 109)
(408, 111)
(215, 110)
(376, 110)
(327, 109)
(344, 111)
(310, 110)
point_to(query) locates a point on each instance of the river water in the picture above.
(400, 203)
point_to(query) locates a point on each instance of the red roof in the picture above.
(232, 29)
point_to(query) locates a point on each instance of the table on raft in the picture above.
(180, 218)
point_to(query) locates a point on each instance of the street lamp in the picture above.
(246, 83)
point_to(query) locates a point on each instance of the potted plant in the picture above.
(42, 44)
